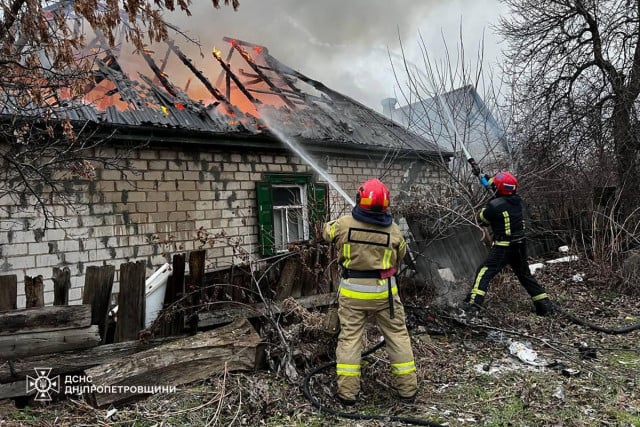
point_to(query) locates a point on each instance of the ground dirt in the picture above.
(467, 374)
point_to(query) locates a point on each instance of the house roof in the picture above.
(433, 117)
(269, 96)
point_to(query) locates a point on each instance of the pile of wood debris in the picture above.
(468, 374)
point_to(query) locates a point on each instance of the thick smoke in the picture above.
(344, 44)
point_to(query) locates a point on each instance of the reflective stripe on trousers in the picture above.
(347, 370)
(403, 368)
(368, 292)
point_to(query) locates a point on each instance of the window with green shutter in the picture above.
(290, 208)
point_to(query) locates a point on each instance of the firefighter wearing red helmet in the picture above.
(371, 248)
(504, 214)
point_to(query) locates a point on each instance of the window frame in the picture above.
(313, 196)
(285, 237)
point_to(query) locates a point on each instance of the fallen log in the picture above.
(31, 344)
(224, 315)
(76, 360)
(14, 389)
(67, 363)
(40, 319)
(229, 348)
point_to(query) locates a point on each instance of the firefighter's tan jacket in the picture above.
(371, 248)
(366, 247)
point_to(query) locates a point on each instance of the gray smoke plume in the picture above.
(344, 44)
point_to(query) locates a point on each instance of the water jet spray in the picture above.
(297, 148)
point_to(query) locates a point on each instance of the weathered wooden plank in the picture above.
(31, 344)
(78, 360)
(98, 283)
(61, 284)
(173, 322)
(13, 389)
(231, 347)
(131, 301)
(290, 274)
(8, 292)
(217, 317)
(34, 291)
(196, 280)
(41, 319)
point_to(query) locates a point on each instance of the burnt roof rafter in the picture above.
(160, 76)
(276, 90)
(231, 75)
(124, 85)
(203, 79)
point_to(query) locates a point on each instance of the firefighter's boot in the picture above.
(544, 307)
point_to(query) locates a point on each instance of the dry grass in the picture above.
(467, 375)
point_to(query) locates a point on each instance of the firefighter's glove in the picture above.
(487, 239)
(485, 180)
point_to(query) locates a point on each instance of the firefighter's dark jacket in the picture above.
(505, 216)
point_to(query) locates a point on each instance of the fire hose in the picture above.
(414, 421)
(582, 322)
(356, 416)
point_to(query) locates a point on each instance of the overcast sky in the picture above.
(345, 44)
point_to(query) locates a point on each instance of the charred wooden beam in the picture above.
(203, 79)
(268, 92)
(124, 85)
(273, 65)
(165, 60)
(160, 75)
(98, 76)
(222, 73)
(235, 78)
(263, 76)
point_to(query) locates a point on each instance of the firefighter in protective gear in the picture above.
(371, 248)
(504, 214)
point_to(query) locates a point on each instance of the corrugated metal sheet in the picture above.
(320, 115)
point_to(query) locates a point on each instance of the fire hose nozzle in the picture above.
(475, 168)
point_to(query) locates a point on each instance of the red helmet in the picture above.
(505, 183)
(373, 195)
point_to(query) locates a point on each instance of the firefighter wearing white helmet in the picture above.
(371, 248)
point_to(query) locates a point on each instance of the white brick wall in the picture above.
(159, 212)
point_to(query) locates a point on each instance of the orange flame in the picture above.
(217, 53)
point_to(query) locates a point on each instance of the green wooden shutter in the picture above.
(317, 197)
(265, 217)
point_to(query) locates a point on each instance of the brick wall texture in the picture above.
(166, 202)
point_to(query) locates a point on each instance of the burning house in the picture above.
(239, 160)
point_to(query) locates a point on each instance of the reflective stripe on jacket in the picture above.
(364, 247)
(379, 291)
(504, 215)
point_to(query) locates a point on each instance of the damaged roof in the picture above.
(270, 95)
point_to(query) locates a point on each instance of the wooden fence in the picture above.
(85, 338)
